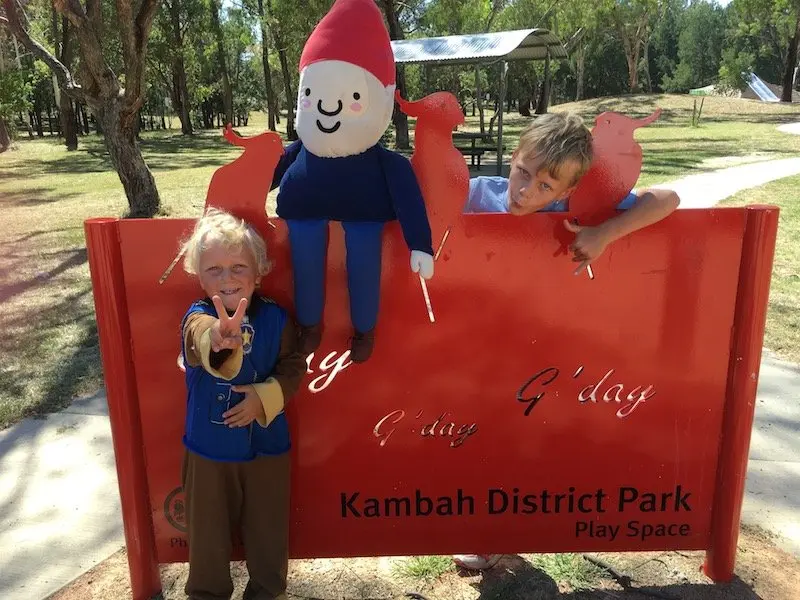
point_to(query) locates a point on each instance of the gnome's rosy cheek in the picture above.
(356, 106)
(305, 104)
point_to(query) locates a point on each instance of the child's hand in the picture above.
(226, 332)
(589, 243)
(247, 411)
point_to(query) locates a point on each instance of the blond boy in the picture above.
(242, 366)
(553, 153)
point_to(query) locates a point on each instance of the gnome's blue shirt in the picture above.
(377, 185)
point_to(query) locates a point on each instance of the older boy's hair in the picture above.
(558, 139)
(219, 227)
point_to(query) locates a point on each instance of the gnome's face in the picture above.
(342, 109)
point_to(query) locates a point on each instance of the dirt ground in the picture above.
(763, 572)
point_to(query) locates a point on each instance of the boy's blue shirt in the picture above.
(490, 195)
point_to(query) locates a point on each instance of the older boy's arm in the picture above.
(286, 378)
(651, 206)
(224, 364)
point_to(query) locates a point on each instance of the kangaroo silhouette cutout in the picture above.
(440, 168)
(614, 171)
(241, 187)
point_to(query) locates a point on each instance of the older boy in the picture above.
(554, 152)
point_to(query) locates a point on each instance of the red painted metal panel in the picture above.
(750, 318)
(655, 322)
(113, 328)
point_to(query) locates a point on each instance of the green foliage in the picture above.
(735, 65)
(760, 30)
(681, 44)
(15, 94)
(664, 40)
(699, 48)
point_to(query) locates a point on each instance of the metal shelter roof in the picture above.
(521, 44)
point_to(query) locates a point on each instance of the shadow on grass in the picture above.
(37, 196)
(73, 258)
(53, 349)
(164, 152)
(514, 578)
(63, 378)
(41, 232)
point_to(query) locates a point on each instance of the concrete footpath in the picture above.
(59, 501)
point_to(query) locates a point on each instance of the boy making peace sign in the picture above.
(242, 366)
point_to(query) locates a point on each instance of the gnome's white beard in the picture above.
(336, 87)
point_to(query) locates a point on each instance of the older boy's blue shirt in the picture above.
(490, 195)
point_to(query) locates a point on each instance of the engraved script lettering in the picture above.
(330, 369)
(396, 415)
(534, 399)
(636, 397)
(593, 392)
(441, 428)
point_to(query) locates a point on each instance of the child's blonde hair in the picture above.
(558, 139)
(219, 227)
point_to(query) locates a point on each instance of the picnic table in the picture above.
(479, 144)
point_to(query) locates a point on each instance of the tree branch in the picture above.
(101, 80)
(71, 9)
(95, 13)
(135, 33)
(144, 21)
(11, 20)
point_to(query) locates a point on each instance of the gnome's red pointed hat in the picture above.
(353, 32)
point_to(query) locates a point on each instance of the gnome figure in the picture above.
(338, 171)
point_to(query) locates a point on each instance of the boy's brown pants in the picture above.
(222, 497)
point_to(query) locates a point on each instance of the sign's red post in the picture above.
(113, 328)
(755, 270)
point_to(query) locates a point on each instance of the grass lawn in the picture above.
(783, 316)
(49, 351)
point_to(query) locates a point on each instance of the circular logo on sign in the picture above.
(175, 509)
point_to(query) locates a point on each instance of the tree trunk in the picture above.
(791, 63)
(646, 60)
(126, 156)
(290, 96)
(181, 94)
(544, 99)
(525, 106)
(479, 99)
(85, 120)
(427, 75)
(271, 103)
(227, 90)
(580, 64)
(66, 114)
(5, 140)
(633, 72)
(630, 44)
(68, 123)
(399, 118)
